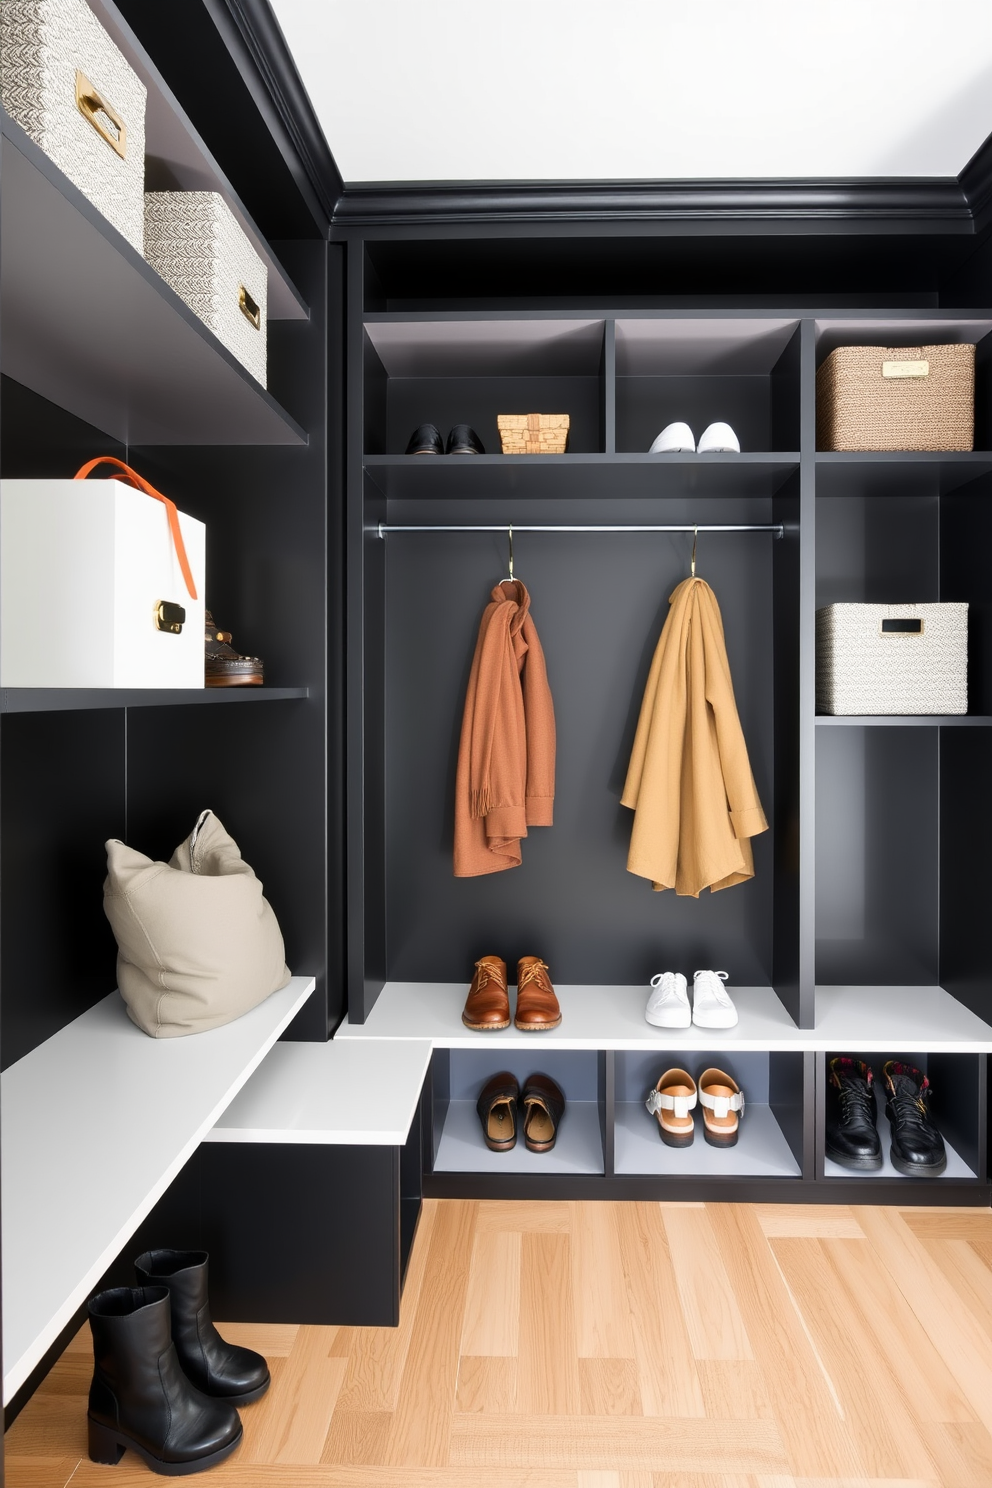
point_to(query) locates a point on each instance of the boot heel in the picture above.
(104, 1445)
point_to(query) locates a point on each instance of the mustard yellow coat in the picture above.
(689, 781)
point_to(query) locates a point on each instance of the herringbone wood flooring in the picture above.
(602, 1345)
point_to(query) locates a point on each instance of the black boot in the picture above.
(222, 1370)
(917, 1146)
(851, 1134)
(140, 1397)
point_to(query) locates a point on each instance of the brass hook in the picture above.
(695, 534)
(509, 534)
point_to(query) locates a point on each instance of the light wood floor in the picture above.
(602, 1345)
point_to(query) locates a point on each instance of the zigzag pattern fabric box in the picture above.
(194, 241)
(873, 658)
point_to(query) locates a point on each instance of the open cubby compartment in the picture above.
(910, 530)
(459, 1075)
(920, 328)
(572, 900)
(957, 1109)
(770, 1134)
(703, 369)
(448, 371)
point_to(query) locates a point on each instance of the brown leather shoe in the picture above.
(487, 1007)
(497, 1108)
(223, 666)
(544, 1106)
(537, 1005)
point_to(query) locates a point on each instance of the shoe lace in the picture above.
(856, 1099)
(659, 981)
(713, 982)
(910, 1107)
(532, 973)
(487, 973)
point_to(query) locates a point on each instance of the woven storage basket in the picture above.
(533, 433)
(873, 658)
(70, 89)
(902, 398)
(194, 241)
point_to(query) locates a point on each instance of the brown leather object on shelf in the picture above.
(533, 433)
(544, 1106)
(537, 1005)
(223, 666)
(487, 1007)
(497, 1108)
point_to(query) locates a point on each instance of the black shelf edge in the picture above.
(573, 476)
(903, 720)
(73, 699)
(75, 287)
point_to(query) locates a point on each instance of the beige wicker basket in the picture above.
(533, 433)
(904, 398)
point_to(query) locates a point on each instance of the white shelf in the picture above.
(593, 1017)
(609, 1017)
(897, 1019)
(579, 1148)
(351, 1093)
(956, 1166)
(761, 1150)
(97, 1121)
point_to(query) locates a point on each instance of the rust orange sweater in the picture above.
(689, 782)
(505, 780)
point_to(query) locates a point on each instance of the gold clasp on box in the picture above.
(169, 617)
(92, 105)
(905, 369)
(248, 308)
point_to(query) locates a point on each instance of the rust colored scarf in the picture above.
(505, 780)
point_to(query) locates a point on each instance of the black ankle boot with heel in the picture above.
(224, 1371)
(140, 1397)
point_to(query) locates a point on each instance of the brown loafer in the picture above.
(487, 1007)
(544, 1106)
(497, 1108)
(537, 1005)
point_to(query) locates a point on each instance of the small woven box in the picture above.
(876, 658)
(533, 433)
(194, 240)
(896, 398)
(70, 88)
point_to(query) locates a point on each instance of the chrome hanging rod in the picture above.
(508, 527)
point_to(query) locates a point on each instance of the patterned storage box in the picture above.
(873, 658)
(533, 433)
(194, 241)
(70, 89)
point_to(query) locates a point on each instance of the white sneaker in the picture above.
(718, 439)
(711, 1004)
(674, 439)
(668, 1005)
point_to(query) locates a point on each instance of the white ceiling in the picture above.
(462, 90)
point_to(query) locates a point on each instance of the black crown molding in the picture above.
(962, 203)
(925, 201)
(263, 48)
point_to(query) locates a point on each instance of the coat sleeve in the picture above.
(539, 713)
(746, 814)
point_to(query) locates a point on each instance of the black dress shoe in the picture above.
(463, 440)
(851, 1134)
(497, 1108)
(917, 1146)
(426, 440)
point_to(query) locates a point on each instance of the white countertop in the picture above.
(612, 1017)
(97, 1121)
(349, 1092)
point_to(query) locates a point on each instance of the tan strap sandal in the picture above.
(672, 1101)
(722, 1101)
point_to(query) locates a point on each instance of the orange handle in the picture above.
(140, 484)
